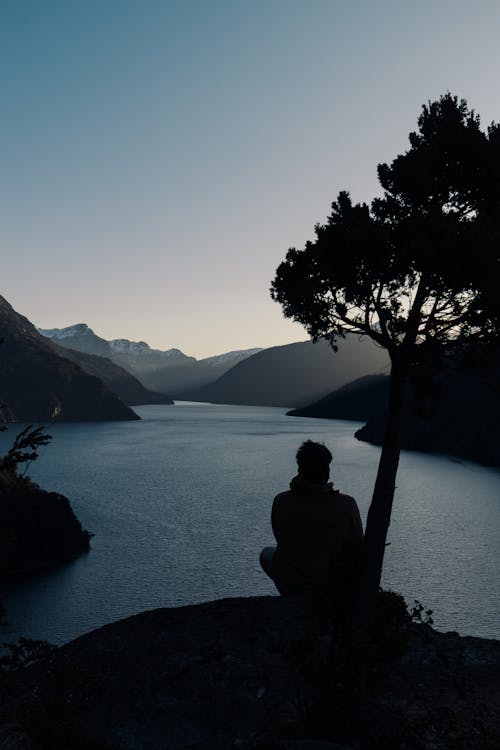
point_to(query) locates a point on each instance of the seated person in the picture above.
(318, 531)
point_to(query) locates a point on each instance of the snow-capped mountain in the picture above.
(79, 329)
(79, 337)
(141, 348)
(135, 356)
(229, 358)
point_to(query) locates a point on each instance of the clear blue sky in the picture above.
(158, 157)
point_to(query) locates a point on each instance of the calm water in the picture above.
(180, 505)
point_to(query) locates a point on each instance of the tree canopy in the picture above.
(421, 264)
(418, 271)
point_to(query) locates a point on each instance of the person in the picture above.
(318, 531)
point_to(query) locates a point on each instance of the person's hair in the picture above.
(313, 460)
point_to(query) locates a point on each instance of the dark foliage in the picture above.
(24, 448)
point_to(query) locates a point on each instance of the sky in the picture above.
(159, 157)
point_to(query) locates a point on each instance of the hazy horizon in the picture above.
(160, 158)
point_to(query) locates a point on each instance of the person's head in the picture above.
(313, 460)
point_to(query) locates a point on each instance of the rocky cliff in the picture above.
(38, 529)
(249, 674)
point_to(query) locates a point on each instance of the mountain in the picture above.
(127, 387)
(167, 372)
(293, 374)
(135, 356)
(176, 379)
(79, 337)
(229, 359)
(40, 385)
(138, 358)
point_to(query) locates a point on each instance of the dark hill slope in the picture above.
(177, 379)
(363, 398)
(461, 418)
(292, 375)
(127, 387)
(40, 385)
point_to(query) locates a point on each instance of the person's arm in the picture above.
(275, 518)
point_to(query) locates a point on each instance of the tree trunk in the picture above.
(379, 514)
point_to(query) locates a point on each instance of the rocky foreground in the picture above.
(246, 674)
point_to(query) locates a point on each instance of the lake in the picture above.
(180, 507)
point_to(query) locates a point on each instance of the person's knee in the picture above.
(266, 560)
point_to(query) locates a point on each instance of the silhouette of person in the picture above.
(318, 531)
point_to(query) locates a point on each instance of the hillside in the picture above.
(127, 387)
(292, 375)
(460, 418)
(363, 398)
(40, 385)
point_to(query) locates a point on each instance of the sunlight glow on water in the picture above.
(180, 507)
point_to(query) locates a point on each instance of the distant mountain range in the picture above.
(133, 355)
(71, 374)
(38, 384)
(168, 372)
(293, 374)
(289, 375)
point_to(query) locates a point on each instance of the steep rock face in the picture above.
(40, 385)
(37, 529)
(249, 674)
(294, 374)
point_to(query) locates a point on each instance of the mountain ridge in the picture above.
(162, 371)
(40, 385)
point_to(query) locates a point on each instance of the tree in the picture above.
(24, 449)
(417, 272)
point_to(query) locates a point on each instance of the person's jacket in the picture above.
(319, 536)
